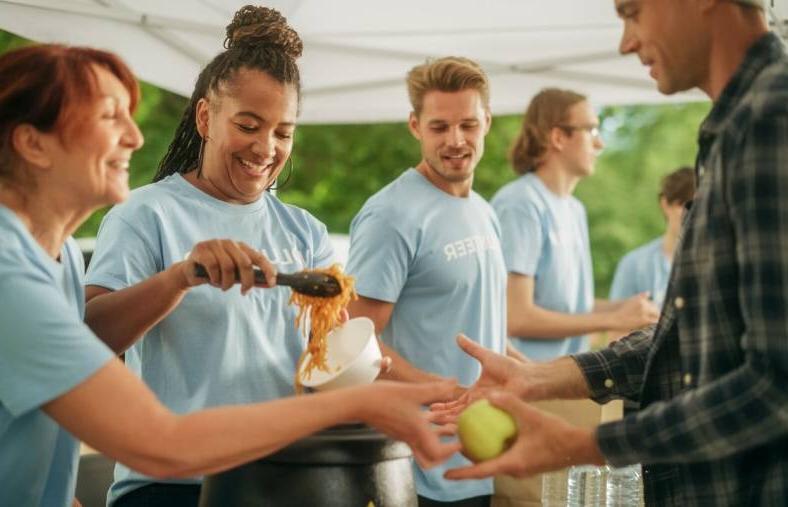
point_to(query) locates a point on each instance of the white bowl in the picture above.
(352, 354)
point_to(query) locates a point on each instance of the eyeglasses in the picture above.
(591, 129)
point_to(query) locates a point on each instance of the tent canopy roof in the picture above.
(357, 52)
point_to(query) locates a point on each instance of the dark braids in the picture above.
(258, 38)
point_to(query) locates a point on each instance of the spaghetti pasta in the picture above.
(323, 314)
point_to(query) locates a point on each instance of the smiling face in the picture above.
(669, 37)
(91, 158)
(248, 127)
(451, 129)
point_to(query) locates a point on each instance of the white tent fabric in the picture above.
(357, 52)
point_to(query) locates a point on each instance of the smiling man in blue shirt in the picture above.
(426, 253)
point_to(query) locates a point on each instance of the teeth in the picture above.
(253, 167)
(116, 164)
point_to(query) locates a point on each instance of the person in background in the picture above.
(66, 138)
(426, 255)
(194, 345)
(711, 376)
(647, 268)
(550, 290)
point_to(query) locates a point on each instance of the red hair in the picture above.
(44, 85)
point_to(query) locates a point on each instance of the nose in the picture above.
(628, 43)
(456, 138)
(264, 146)
(132, 137)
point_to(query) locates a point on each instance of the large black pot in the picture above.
(345, 466)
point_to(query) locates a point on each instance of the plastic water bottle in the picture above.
(623, 486)
(554, 489)
(584, 487)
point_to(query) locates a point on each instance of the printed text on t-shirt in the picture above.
(470, 246)
(285, 256)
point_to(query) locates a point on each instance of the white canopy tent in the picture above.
(357, 52)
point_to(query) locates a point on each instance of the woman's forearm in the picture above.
(122, 317)
(216, 439)
(113, 412)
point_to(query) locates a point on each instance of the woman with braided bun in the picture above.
(195, 346)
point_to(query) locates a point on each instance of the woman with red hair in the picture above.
(66, 138)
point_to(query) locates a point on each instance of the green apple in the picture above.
(485, 431)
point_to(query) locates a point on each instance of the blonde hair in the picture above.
(448, 74)
(547, 110)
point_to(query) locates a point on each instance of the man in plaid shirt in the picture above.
(712, 376)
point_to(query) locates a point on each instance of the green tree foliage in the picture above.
(337, 167)
(644, 143)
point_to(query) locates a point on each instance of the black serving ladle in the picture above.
(304, 282)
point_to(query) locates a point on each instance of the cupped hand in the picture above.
(544, 443)
(636, 312)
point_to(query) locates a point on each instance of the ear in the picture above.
(201, 116)
(488, 120)
(557, 138)
(31, 145)
(664, 206)
(413, 125)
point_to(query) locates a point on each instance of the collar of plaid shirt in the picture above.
(766, 50)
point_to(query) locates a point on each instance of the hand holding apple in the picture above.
(542, 442)
(485, 431)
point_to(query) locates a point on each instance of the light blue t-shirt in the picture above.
(215, 348)
(45, 351)
(438, 259)
(546, 237)
(644, 269)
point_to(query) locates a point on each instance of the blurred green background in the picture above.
(337, 167)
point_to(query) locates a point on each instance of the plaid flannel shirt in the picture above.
(712, 376)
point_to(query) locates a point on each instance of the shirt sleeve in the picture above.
(521, 237)
(617, 371)
(122, 256)
(45, 348)
(380, 255)
(747, 407)
(623, 285)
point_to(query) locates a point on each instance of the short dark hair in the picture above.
(678, 187)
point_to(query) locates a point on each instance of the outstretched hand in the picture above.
(398, 412)
(498, 372)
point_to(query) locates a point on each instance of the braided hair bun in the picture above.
(255, 27)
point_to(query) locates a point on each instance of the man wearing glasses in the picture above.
(544, 230)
